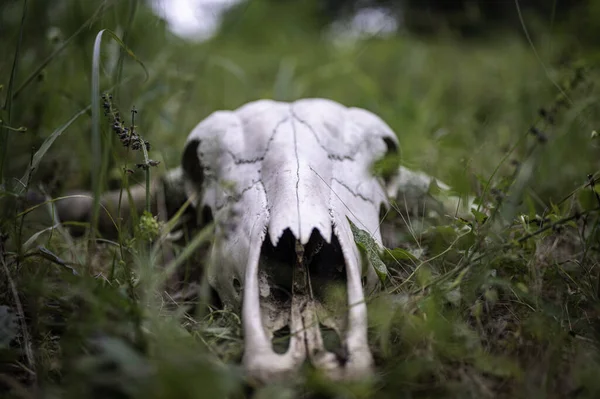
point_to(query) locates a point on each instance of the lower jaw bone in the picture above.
(300, 311)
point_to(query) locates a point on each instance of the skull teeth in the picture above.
(303, 314)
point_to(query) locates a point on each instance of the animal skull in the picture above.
(281, 181)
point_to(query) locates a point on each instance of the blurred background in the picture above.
(460, 81)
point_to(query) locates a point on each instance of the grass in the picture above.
(500, 306)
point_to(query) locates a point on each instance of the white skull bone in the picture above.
(276, 175)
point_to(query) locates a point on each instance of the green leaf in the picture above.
(480, 217)
(396, 254)
(370, 248)
(39, 154)
(587, 199)
(387, 166)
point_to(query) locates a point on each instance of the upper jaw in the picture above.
(305, 312)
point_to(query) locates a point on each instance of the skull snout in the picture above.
(302, 299)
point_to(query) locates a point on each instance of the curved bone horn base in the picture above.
(262, 316)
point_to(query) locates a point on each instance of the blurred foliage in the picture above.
(505, 306)
(470, 18)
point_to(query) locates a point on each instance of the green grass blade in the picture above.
(39, 154)
(53, 200)
(4, 134)
(96, 147)
(133, 5)
(29, 243)
(33, 75)
(203, 236)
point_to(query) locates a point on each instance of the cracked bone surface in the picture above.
(280, 180)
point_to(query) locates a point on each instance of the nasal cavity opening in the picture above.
(328, 282)
(275, 288)
(326, 269)
(281, 340)
(333, 343)
(276, 265)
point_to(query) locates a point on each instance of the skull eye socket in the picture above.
(193, 169)
(392, 147)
